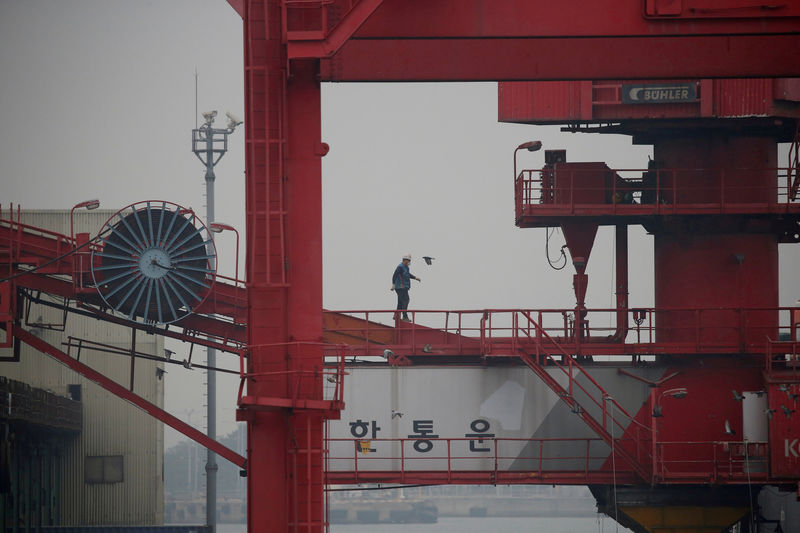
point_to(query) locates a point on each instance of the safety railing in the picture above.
(783, 356)
(318, 388)
(495, 456)
(597, 190)
(33, 245)
(604, 411)
(454, 460)
(509, 332)
(227, 299)
(713, 462)
(54, 253)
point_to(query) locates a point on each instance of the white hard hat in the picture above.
(407, 256)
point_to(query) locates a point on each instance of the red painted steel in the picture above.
(630, 194)
(696, 269)
(330, 40)
(721, 462)
(507, 18)
(268, 435)
(415, 40)
(711, 261)
(284, 257)
(562, 58)
(595, 101)
(50, 253)
(448, 40)
(604, 428)
(457, 471)
(442, 336)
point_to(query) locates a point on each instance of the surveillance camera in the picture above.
(233, 120)
(209, 116)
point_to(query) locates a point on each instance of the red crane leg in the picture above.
(304, 247)
(268, 431)
(284, 265)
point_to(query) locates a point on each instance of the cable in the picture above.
(614, 466)
(548, 232)
(749, 486)
(382, 488)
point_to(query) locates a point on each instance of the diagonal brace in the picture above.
(332, 42)
(598, 428)
(118, 390)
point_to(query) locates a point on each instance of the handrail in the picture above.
(330, 376)
(455, 451)
(793, 174)
(570, 375)
(714, 461)
(654, 191)
(497, 333)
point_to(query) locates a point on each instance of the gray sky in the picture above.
(98, 100)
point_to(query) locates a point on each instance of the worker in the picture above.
(401, 283)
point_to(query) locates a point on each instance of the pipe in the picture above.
(580, 282)
(621, 245)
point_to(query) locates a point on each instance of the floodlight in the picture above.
(531, 146)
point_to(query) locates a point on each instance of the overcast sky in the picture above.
(97, 99)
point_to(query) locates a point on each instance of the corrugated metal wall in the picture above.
(543, 102)
(111, 426)
(743, 98)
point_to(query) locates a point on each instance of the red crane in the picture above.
(291, 46)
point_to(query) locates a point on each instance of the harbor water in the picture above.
(600, 524)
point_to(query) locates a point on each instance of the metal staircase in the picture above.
(591, 402)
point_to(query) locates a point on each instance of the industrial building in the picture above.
(96, 459)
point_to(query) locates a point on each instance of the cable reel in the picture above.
(155, 262)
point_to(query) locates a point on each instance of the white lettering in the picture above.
(789, 447)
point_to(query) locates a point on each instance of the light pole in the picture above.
(531, 146)
(209, 144)
(89, 205)
(677, 393)
(218, 227)
(79, 257)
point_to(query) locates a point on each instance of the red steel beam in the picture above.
(489, 19)
(491, 40)
(230, 334)
(526, 58)
(495, 40)
(122, 392)
(326, 47)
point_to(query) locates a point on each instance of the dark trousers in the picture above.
(402, 300)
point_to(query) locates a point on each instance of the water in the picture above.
(476, 525)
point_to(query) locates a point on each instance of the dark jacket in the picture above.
(401, 279)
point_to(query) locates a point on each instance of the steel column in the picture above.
(284, 265)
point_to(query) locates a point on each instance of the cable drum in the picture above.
(155, 262)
